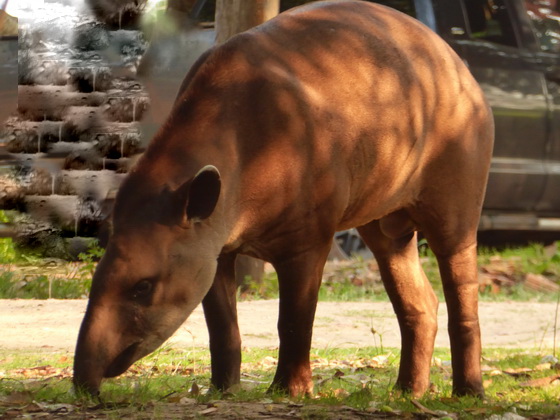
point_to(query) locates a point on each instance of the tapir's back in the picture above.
(351, 98)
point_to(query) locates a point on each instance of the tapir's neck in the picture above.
(184, 145)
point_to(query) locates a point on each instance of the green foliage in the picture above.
(30, 277)
(7, 251)
(354, 280)
(515, 264)
(42, 287)
(266, 289)
(534, 258)
(90, 258)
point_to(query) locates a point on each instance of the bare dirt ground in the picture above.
(54, 324)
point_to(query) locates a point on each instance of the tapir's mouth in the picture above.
(123, 361)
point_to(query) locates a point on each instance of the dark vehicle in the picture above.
(8, 65)
(512, 47)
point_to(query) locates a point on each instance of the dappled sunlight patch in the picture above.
(528, 273)
(349, 384)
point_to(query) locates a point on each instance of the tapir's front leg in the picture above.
(299, 278)
(220, 310)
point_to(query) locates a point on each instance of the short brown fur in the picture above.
(331, 116)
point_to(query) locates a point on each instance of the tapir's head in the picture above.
(159, 264)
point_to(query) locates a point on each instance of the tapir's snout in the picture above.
(86, 380)
(115, 334)
(88, 369)
(106, 350)
(92, 355)
(103, 350)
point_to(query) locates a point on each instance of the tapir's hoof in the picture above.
(293, 390)
(473, 391)
(409, 388)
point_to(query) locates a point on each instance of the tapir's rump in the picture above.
(330, 116)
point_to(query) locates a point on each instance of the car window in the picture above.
(490, 20)
(545, 16)
(208, 8)
(405, 6)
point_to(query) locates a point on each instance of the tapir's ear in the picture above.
(204, 191)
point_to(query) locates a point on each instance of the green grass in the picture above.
(359, 280)
(534, 258)
(359, 378)
(26, 275)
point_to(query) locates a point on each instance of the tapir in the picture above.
(330, 116)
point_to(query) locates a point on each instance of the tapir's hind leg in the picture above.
(299, 278)
(220, 311)
(413, 299)
(456, 255)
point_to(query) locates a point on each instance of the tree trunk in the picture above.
(181, 5)
(234, 16)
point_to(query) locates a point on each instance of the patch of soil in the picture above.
(53, 324)
(188, 409)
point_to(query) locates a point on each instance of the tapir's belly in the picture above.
(375, 200)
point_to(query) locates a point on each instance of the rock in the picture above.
(11, 193)
(506, 416)
(26, 141)
(91, 36)
(89, 159)
(41, 237)
(40, 182)
(90, 79)
(118, 14)
(128, 43)
(115, 146)
(126, 109)
(77, 245)
(32, 69)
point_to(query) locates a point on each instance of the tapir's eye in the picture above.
(142, 289)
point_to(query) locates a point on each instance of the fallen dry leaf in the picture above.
(44, 372)
(519, 372)
(540, 283)
(341, 393)
(207, 411)
(540, 382)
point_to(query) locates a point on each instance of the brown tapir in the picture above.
(330, 116)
